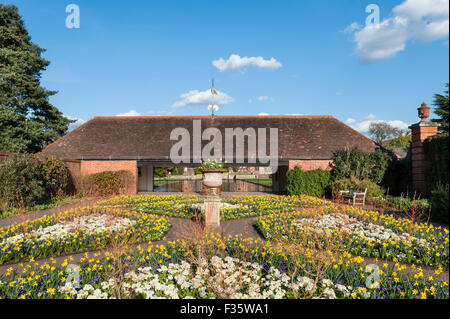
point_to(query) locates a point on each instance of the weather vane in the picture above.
(213, 107)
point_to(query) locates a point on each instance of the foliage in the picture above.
(441, 103)
(54, 235)
(28, 121)
(373, 190)
(213, 163)
(401, 141)
(178, 170)
(159, 172)
(397, 178)
(400, 145)
(28, 180)
(107, 183)
(440, 203)
(345, 277)
(437, 152)
(408, 204)
(312, 183)
(52, 202)
(360, 165)
(162, 171)
(55, 176)
(21, 181)
(362, 233)
(383, 131)
(190, 206)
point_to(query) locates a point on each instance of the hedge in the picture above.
(440, 203)
(358, 164)
(313, 183)
(107, 183)
(437, 152)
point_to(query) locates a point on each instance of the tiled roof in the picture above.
(148, 137)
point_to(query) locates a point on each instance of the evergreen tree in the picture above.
(28, 122)
(441, 104)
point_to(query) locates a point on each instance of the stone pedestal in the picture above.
(212, 212)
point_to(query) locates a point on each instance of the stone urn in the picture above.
(423, 112)
(212, 178)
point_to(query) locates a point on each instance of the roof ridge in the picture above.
(209, 116)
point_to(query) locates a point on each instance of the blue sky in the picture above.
(291, 57)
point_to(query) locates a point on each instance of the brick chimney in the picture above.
(419, 132)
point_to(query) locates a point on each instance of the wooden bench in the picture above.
(356, 195)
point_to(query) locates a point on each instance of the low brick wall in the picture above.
(309, 165)
(93, 167)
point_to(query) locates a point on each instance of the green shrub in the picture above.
(106, 183)
(21, 181)
(179, 170)
(162, 171)
(401, 141)
(313, 183)
(397, 178)
(373, 190)
(360, 165)
(440, 203)
(437, 151)
(55, 177)
(407, 204)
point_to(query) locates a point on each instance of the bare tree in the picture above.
(382, 131)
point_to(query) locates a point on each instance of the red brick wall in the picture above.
(309, 165)
(93, 167)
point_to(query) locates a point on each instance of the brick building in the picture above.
(138, 144)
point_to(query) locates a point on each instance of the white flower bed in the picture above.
(365, 230)
(91, 225)
(218, 278)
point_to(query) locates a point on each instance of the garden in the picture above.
(309, 248)
(306, 244)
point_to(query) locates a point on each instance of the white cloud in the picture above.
(422, 20)
(266, 98)
(235, 62)
(352, 27)
(417, 9)
(364, 124)
(130, 113)
(382, 41)
(78, 122)
(370, 117)
(263, 114)
(196, 97)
